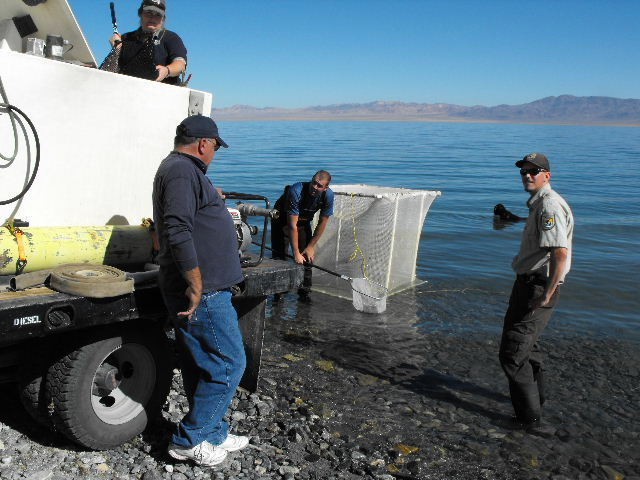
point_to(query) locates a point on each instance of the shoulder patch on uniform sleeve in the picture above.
(548, 221)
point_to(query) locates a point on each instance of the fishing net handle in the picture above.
(345, 277)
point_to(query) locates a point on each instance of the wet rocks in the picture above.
(347, 396)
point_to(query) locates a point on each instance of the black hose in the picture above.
(37, 162)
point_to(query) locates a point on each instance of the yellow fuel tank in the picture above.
(48, 247)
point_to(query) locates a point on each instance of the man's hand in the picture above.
(194, 301)
(175, 68)
(299, 258)
(310, 253)
(541, 301)
(163, 72)
(310, 250)
(557, 267)
(193, 291)
(116, 40)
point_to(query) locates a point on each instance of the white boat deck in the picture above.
(101, 134)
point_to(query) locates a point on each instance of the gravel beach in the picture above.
(414, 393)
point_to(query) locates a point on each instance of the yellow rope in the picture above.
(19, 236)
(151, 228)
(358, 251)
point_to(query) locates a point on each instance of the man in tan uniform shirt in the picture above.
(541, 266)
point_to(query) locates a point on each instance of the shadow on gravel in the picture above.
(440, 386)
(13, 415)
(157, 437)
(378, 362)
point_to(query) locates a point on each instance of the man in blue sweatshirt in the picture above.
(298, 205)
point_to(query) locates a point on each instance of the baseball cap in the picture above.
(158, 6)
(538, 159)
(199, 126)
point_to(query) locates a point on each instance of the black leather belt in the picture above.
(234, 289)
(535, 277)
(207, 292)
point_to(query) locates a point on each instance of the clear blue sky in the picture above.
(296, 53)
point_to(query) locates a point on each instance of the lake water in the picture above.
(463, 256)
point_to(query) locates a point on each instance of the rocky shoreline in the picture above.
(414, 393)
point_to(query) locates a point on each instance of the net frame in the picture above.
(368, 296)
(375, 234)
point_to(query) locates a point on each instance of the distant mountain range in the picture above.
(564, 109)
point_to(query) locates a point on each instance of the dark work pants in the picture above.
(280, 244)
(520, 355)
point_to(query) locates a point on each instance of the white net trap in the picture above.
(372, 238)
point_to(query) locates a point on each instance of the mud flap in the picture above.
(251, 317)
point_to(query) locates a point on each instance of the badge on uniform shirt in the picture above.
(548, 222)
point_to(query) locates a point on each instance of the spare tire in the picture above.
(93, 281)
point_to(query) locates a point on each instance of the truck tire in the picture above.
(34, 398)
(107, 391)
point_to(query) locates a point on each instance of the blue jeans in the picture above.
(212, 358)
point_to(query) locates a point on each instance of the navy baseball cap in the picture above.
(158, 6)
(538, 159)
(199, 126)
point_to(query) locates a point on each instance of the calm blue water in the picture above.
(464, 258)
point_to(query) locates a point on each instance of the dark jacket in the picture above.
(142, 51)
(194, 226)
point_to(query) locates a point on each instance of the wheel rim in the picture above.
(131, 370)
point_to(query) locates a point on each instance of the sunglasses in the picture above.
(216, 145)
(149, 13)
(531, 171)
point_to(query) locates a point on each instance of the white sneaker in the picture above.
(234, 443)
(203, 454)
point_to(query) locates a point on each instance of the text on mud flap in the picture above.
(22, 321)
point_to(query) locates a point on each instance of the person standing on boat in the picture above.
(541, 266)
(152, 51)
(199, 272)
(301, 201)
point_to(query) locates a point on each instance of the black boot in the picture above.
(526, 402)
